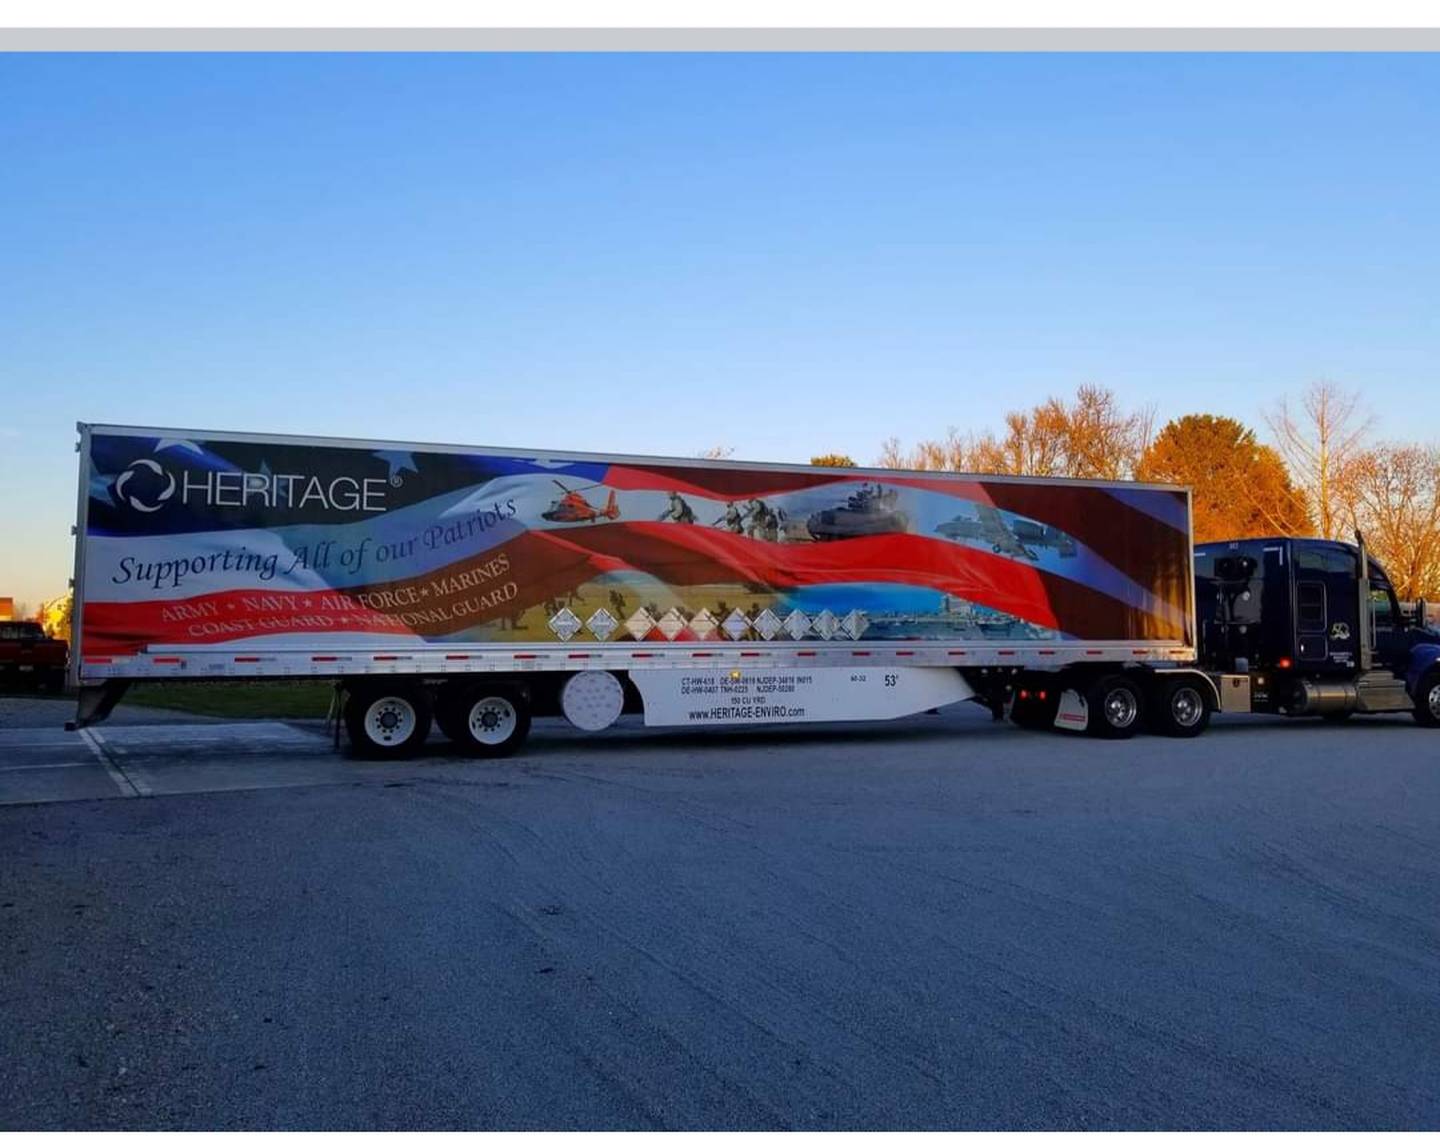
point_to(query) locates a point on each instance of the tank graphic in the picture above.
(869, 511)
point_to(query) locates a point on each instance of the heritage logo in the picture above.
(147, 486)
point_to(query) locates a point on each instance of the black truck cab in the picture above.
(1316, 627)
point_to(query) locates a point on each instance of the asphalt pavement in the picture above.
(937, 923)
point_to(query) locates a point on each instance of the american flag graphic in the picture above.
(210, 540)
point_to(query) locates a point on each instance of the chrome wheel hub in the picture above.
(1120, 708)
(1186, 706)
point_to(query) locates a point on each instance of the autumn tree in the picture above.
(833, 461)
(1239, 487)
(1394, 494)
(1321, 442)
(1090, 436)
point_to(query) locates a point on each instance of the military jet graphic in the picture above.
(1018, 540)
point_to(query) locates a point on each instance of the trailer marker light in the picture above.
(323, 658)
(1040, 695)
(579, 655)
(805, 653)
(904, 653)
(1024, 694)
(458, 655)
(525, 655)
(860, 653)
(247, 659)
(1284, 663)
(734, 674)
(749, 655)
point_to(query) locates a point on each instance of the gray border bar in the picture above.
(720, 39)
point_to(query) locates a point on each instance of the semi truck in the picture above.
(476, 588)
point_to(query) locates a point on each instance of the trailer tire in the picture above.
(1115, 707)
(387, 721)
(1427, 699)
(489, 721)
(1179, 709)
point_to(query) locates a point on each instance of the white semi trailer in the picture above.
(477, 587)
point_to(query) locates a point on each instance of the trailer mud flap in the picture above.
(1073, 714)
(676, 698)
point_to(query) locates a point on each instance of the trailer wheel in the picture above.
(490, 722)
(388, 721)
(1427, 699)
(1115, 708)
(1179, 709)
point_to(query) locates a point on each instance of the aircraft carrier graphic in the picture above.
(957, 619)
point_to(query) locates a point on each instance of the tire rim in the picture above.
(1433, 701)
(390, 720)
(1186, 706)
(1120, 708)
(492, 720)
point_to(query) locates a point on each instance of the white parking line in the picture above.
(44, 767)
(92, 740)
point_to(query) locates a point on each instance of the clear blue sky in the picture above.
(783, 254)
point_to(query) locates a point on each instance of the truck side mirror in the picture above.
(1420, 612)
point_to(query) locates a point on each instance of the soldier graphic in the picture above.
(734, 518)
(678, 511)
(756, 516)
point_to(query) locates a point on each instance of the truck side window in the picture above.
(1310, 598)
(1381, 609)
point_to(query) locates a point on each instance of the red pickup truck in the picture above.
(30, 658)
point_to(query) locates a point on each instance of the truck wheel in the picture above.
(1427, 699)
(387, 722)
(1115, 708)
(55, 682)
(1179, 709)
(490, 722)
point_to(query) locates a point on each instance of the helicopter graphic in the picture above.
(572, 507)
(1018, 540)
